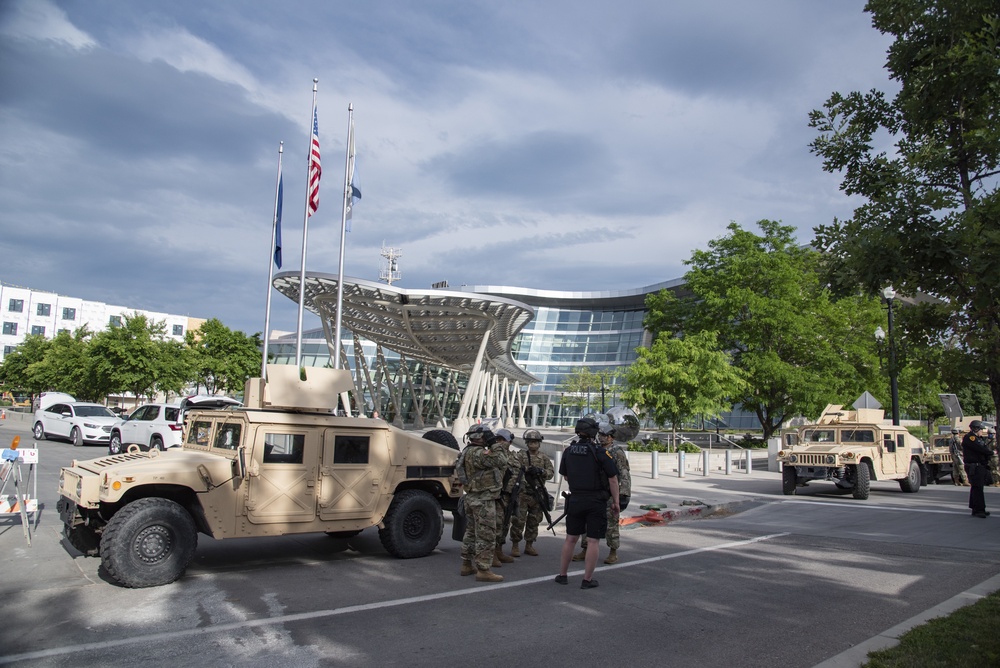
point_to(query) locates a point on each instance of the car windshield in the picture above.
(94, 411)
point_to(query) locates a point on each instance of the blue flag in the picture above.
(277, 226)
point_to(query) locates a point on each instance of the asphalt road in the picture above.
(791, 581)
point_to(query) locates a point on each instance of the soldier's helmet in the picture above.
(976, 425)
(480, 434)
(586, 427)
(533, 435)
(606, 429)
(506, 435)
(956, 430)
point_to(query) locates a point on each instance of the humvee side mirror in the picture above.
(241, 460)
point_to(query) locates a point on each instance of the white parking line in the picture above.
(318, 614)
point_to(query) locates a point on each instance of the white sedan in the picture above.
(78, 421)
(152, 427)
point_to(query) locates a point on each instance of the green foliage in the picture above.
(796, 348)
(20, 371)
(126, 358)
(928, 222)
(656, 445)
(678, 378)
(223, 359)
(584, 384)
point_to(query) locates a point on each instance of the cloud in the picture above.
(41, 20)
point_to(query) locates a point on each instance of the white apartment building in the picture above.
(25, 311)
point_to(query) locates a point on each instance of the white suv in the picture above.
(78, 421)
(152, 427)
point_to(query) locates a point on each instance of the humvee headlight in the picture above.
(62, 478)
(781, 453)
(793, 458)
(79, 488)
(848, 455)
(830, 459)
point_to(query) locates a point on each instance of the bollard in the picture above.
(656, 464)
(680, 464)
(705, 462)
(749, 462)
(729, 462)
(557, 479)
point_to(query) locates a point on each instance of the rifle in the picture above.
(511, 504)
(557, 520)
(541, 495)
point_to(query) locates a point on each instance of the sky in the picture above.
(562, 145)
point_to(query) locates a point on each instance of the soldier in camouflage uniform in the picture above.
(958, 476)
(606, 439)
(483, 463)
(504, 439)
(537, 469)
(991, 443)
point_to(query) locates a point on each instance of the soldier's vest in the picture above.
(480, 480)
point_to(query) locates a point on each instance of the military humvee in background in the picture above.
(282, 464)
(850, 448)
(937, 461)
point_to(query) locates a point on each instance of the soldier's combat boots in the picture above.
(581, 555)
(529, 549)
(514, 551)
(612, 557)
(503, 558)
(488, 576)
(468, 568)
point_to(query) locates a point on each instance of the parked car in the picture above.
(79, 421)
(151, 427)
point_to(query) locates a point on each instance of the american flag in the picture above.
(315, 170)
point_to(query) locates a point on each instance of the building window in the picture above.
(115, 321)
(63, 331)
(7, 350)
(15, 305)
(178, 330)
(69, 314)
(44, 309)
(37, 330)
(10, 328)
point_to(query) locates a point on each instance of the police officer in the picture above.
(606, 439)
(483, 462)
(958, 476)
(593, 478)
(977, 460)
(537, 469)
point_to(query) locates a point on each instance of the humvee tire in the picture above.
(911, 483)
(442, 437)
(149, 542)
(862, 481)
(413, 525)
(788, 480)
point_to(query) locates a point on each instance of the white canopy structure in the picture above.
(461, 331)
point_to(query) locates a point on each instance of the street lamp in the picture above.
(880, 337)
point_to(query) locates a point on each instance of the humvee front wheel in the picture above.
(862, 481)
(789, 480)
(413, 525)
(149, 542)
(911, 483)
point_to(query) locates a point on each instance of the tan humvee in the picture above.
(937, 460)
(283, 464)
(850, 448)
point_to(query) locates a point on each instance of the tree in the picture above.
(926, 163)
(678, 378)
(796, 348)
(67, 365)
(223, 359)
(582, 388)
(19, 370)
(127, 358)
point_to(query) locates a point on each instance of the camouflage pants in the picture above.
(613, 535)
(994, 470)
(501, 527)
(958, 476)
(480, 530)
(525, 523)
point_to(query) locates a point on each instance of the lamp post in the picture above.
(880, 336)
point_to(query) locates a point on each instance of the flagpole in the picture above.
(271, 260)
(305, 232)
(343, 233)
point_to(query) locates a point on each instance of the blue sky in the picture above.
(568, 145)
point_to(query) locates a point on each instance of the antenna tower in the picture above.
(388, 266)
